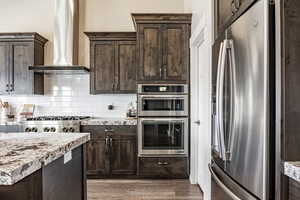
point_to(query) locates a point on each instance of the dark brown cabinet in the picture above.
(227, 11)
(160, 167)
(112, 151)
(163, 47)
(18, 51)
(112, 62)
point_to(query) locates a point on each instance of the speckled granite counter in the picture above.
(110, 121)
(292, 170)
(21, 154)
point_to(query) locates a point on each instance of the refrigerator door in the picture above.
(224, 188)
(247, 113)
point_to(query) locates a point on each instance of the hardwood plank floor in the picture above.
(142, 190)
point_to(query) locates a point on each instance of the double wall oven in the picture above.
(163, 111)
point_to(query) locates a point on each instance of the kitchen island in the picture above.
(42, 166)
(292, 170)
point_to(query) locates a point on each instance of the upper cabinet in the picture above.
(18, 51)
(227, 11)
(163, 47)
(112, 62)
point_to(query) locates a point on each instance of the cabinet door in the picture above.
(5, 57)
(126, 61)
(123, 155)
(223, 13)
(227, 11)
(176, 52)
(102, 67)
(96, 164)
(150, 52)
(123, 150)
(21, 81)
(97, 152)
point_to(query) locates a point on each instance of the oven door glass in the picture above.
(163, 105)
(163, 136)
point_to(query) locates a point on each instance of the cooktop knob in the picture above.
(65, 130)
(52, 129)
(34, 129)
(27, 129)
(46, 129)
(72, 130)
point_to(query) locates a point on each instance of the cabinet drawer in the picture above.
(163, 167)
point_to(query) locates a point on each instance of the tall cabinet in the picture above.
(288, 98)
(163, 47)
(18, 51)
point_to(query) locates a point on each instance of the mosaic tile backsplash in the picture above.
(69, 95)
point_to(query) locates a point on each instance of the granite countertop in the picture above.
(21, 154)
(292, 170)
(110, 121)
(10, 123)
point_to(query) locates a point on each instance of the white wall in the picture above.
(201, 62)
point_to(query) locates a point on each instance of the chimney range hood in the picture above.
(65, 40)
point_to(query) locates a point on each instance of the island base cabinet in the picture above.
(294, 190)
(59, 180)
(160, 167)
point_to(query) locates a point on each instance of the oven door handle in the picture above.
(220, 184)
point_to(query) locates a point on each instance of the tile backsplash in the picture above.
(67, 94)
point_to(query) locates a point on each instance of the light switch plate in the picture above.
(67, 157)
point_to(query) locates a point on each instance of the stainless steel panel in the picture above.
(144, 113)
(143, 152)
(140, 88)
(224, 188)
(65, 32)
(250, 124)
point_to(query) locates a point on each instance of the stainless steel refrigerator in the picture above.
(243, 114)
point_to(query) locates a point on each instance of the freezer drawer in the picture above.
(224, 188)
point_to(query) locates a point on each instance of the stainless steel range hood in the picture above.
(65, 40)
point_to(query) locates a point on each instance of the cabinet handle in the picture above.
(162, 163)
(12, 87)
(7, 88)
(160, 72)
(109, 130)
(110, 141)
(106, 140)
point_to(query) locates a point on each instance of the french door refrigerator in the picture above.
(243, 102)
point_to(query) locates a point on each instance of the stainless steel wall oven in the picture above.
(163, 136)
(163, 111)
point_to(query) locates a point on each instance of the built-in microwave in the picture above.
(163, 100)
(163, 136)
(163, 105)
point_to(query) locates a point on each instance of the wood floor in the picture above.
(142, 190)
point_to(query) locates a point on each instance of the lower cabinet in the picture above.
(294, 190)
(156, 167)
(112, 151)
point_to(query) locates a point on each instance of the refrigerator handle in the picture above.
(219, 99)
(233, 112)
(219, 182)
